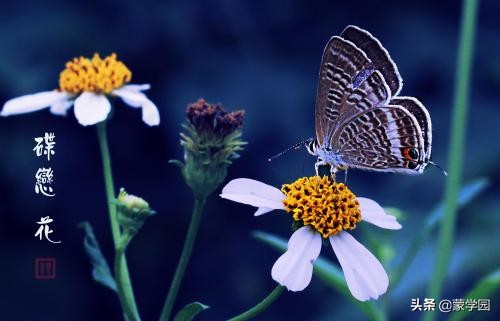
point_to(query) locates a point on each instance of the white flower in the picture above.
(364, 274)
(87, 90)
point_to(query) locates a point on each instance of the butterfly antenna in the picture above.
(293, 147)
(436, 165)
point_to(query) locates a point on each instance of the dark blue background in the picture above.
(264, 57)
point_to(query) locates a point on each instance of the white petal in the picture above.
(255, 193)
(150, 113)
(91, 108)
(131, 95)
(364, 274)
(373, 213)
(61, 107)
(262, 210)
(136, 87)
(34, 102)
(294, 268)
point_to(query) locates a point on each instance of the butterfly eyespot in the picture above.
(410, 153)
(412, 164)
(413, 153)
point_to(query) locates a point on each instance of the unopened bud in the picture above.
(132, 211)
(211, 143)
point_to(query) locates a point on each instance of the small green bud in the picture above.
(132, 211)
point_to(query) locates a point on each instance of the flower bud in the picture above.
(132, 211)
(211, 143)
(212, 120)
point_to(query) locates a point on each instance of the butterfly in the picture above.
(361, 121)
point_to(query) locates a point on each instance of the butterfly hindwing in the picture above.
(417, 109)
(385, 138)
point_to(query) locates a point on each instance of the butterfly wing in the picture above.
(417, 109)
(358, 113)
(378, 55)
(372, 92)
(340, 63)
(387, 138)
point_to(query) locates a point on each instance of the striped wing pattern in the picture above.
(380, 139)
(341, 62)
(359, 115)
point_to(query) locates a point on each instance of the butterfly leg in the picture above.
(318, 164)
(322, 168)
(335, 169)
(333, 172)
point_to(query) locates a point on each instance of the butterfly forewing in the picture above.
(341, 62)
(377, 54)
(370, 93)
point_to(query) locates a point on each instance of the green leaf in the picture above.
(329, 273)
(188, 312)
(396, 212)
(482, 290)
(100, 271)
(466, 194)
(176, 162)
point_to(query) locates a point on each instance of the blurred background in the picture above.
(261, 56)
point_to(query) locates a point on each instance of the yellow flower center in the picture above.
(95, 75)
(327, 206)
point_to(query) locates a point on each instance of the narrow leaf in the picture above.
(328, 272)
(482, 290)
(188, 312)
(100, 271)
(467, 193)
(176, 162)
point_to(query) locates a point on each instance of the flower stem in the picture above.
(199, 202)
(261, 306)
(456, 151)
(123, 286)
(125, 292)
(108, 180)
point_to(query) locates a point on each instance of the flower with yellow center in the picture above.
(326, 210)
(86, 83)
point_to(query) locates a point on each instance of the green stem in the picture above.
(467, 193)
(108, 180)
(261, 306)
(456, 151)
(125, 292)
(199, 202)
(125, 296)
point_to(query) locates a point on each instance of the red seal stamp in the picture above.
(45, 268)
